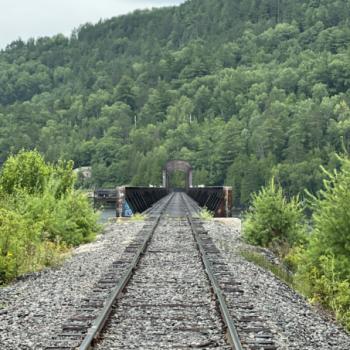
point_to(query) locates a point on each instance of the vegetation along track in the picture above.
(159, 296)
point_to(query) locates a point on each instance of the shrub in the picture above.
(331, 220)
(25, 171)
(330, 289)
(21, 247)
(69, 219)
(13, 232)
(83, 217)
(322, 262)
(323, 266)
(206, 214)
(64, 176)
(273, 221)
(40, 214)
(323, 284)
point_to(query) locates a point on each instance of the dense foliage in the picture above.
(241, 89)
(27, 171)
(320, 258)
(41, 215)
(325, 261)
(331, 210)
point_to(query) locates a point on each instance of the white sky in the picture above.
(34, 18)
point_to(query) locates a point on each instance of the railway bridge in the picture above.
(166, 291)
(131, 199)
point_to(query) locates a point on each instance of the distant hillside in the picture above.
(264, 82)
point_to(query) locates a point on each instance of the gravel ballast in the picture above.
(295, 323)
(34, 308)
(168, 303)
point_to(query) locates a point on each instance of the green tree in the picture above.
(274, 221)
(331, 233)
(125, 93)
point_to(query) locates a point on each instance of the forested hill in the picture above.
(242, 89)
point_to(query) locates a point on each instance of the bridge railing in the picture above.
(216, 199)
(130, 200)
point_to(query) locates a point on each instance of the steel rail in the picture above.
(231, 328)
(100, 322)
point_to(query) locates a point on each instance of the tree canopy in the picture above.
(241, 89)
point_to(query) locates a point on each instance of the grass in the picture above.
(206, 214)
(262, 261)
(138, 217)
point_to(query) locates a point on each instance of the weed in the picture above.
(138, 217)
(206, 214)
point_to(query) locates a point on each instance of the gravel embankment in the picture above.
(296, 324)
(32, 309)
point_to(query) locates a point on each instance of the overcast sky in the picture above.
(33, 18)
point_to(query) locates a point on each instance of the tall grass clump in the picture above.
(41, 215)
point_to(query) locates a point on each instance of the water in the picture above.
(237, 213)
(105, 215)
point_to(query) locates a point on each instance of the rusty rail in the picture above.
(231, 328)
(100, 322)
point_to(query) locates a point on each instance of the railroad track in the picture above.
(170, 289)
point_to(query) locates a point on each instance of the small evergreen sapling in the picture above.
(272, 220)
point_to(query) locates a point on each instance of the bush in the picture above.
(21, 247)
(64, 177)
(206, 214)
(322, 262)
(25, 171)
(40, 214)
(329, 289)
(331, 220)
(322, 283)
(13, 241)
(69, 218)
(273, 221)
(82, 217)
(323, 266)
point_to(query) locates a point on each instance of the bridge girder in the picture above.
(177, 165)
